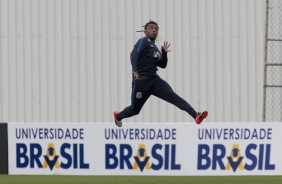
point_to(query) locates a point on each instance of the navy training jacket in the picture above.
(145, 57)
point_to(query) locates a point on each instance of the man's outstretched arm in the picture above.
(165, 49)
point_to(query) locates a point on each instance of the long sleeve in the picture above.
(163, 62)
(138, 48)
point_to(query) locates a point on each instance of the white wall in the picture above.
(68, 60)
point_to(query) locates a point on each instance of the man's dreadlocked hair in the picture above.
(150, 22)
(146, 25)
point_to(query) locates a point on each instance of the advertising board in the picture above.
(145, 149)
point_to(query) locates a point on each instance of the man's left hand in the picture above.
(165, 47)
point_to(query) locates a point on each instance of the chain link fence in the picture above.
(273, 62)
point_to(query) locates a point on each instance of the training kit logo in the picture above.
(132, 156)
(251, 156)
(138, 95)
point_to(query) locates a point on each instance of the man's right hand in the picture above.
(135, 75)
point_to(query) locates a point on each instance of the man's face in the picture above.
(152, 31)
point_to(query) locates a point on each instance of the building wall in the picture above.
(68, 60)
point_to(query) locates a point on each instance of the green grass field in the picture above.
(10, 179)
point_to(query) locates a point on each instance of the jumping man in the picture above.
(145, 58)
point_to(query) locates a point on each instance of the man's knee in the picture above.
(171, 93)
(135, 110)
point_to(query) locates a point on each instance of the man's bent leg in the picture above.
(163, 90)
(139, 96)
